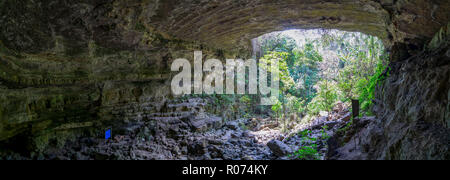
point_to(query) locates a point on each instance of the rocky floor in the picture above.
(205, 137)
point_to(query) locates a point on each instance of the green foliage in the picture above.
(324, 134)
(361, 63)
(367, 89)
(279, 43)
(309, 54)
(312, 80)
(305, 71)
(298, 71)
(304, 133)
(295, 104)
(327, 96)
(286, 80)
(277, 108)
(345, 128)
(364, 62)
(307, 153)
(245, 100)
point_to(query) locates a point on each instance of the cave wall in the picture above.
(413, 109)
(73, 68)
(80, 65)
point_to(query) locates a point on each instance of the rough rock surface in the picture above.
(176, 139)
(279, 148)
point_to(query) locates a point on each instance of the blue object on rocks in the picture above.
(108, 134)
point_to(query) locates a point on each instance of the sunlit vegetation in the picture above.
(320, 68)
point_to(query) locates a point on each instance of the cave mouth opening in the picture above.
(321, 72)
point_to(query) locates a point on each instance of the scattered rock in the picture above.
(197, 148)
(199, 125)
(232, 125)
(215, 152)
(215, 142)
(279, 148)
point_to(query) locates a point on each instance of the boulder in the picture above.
(278, 148)
(214, 122)
(199, 125)
(206, 123)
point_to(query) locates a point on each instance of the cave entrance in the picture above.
(321, 72)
